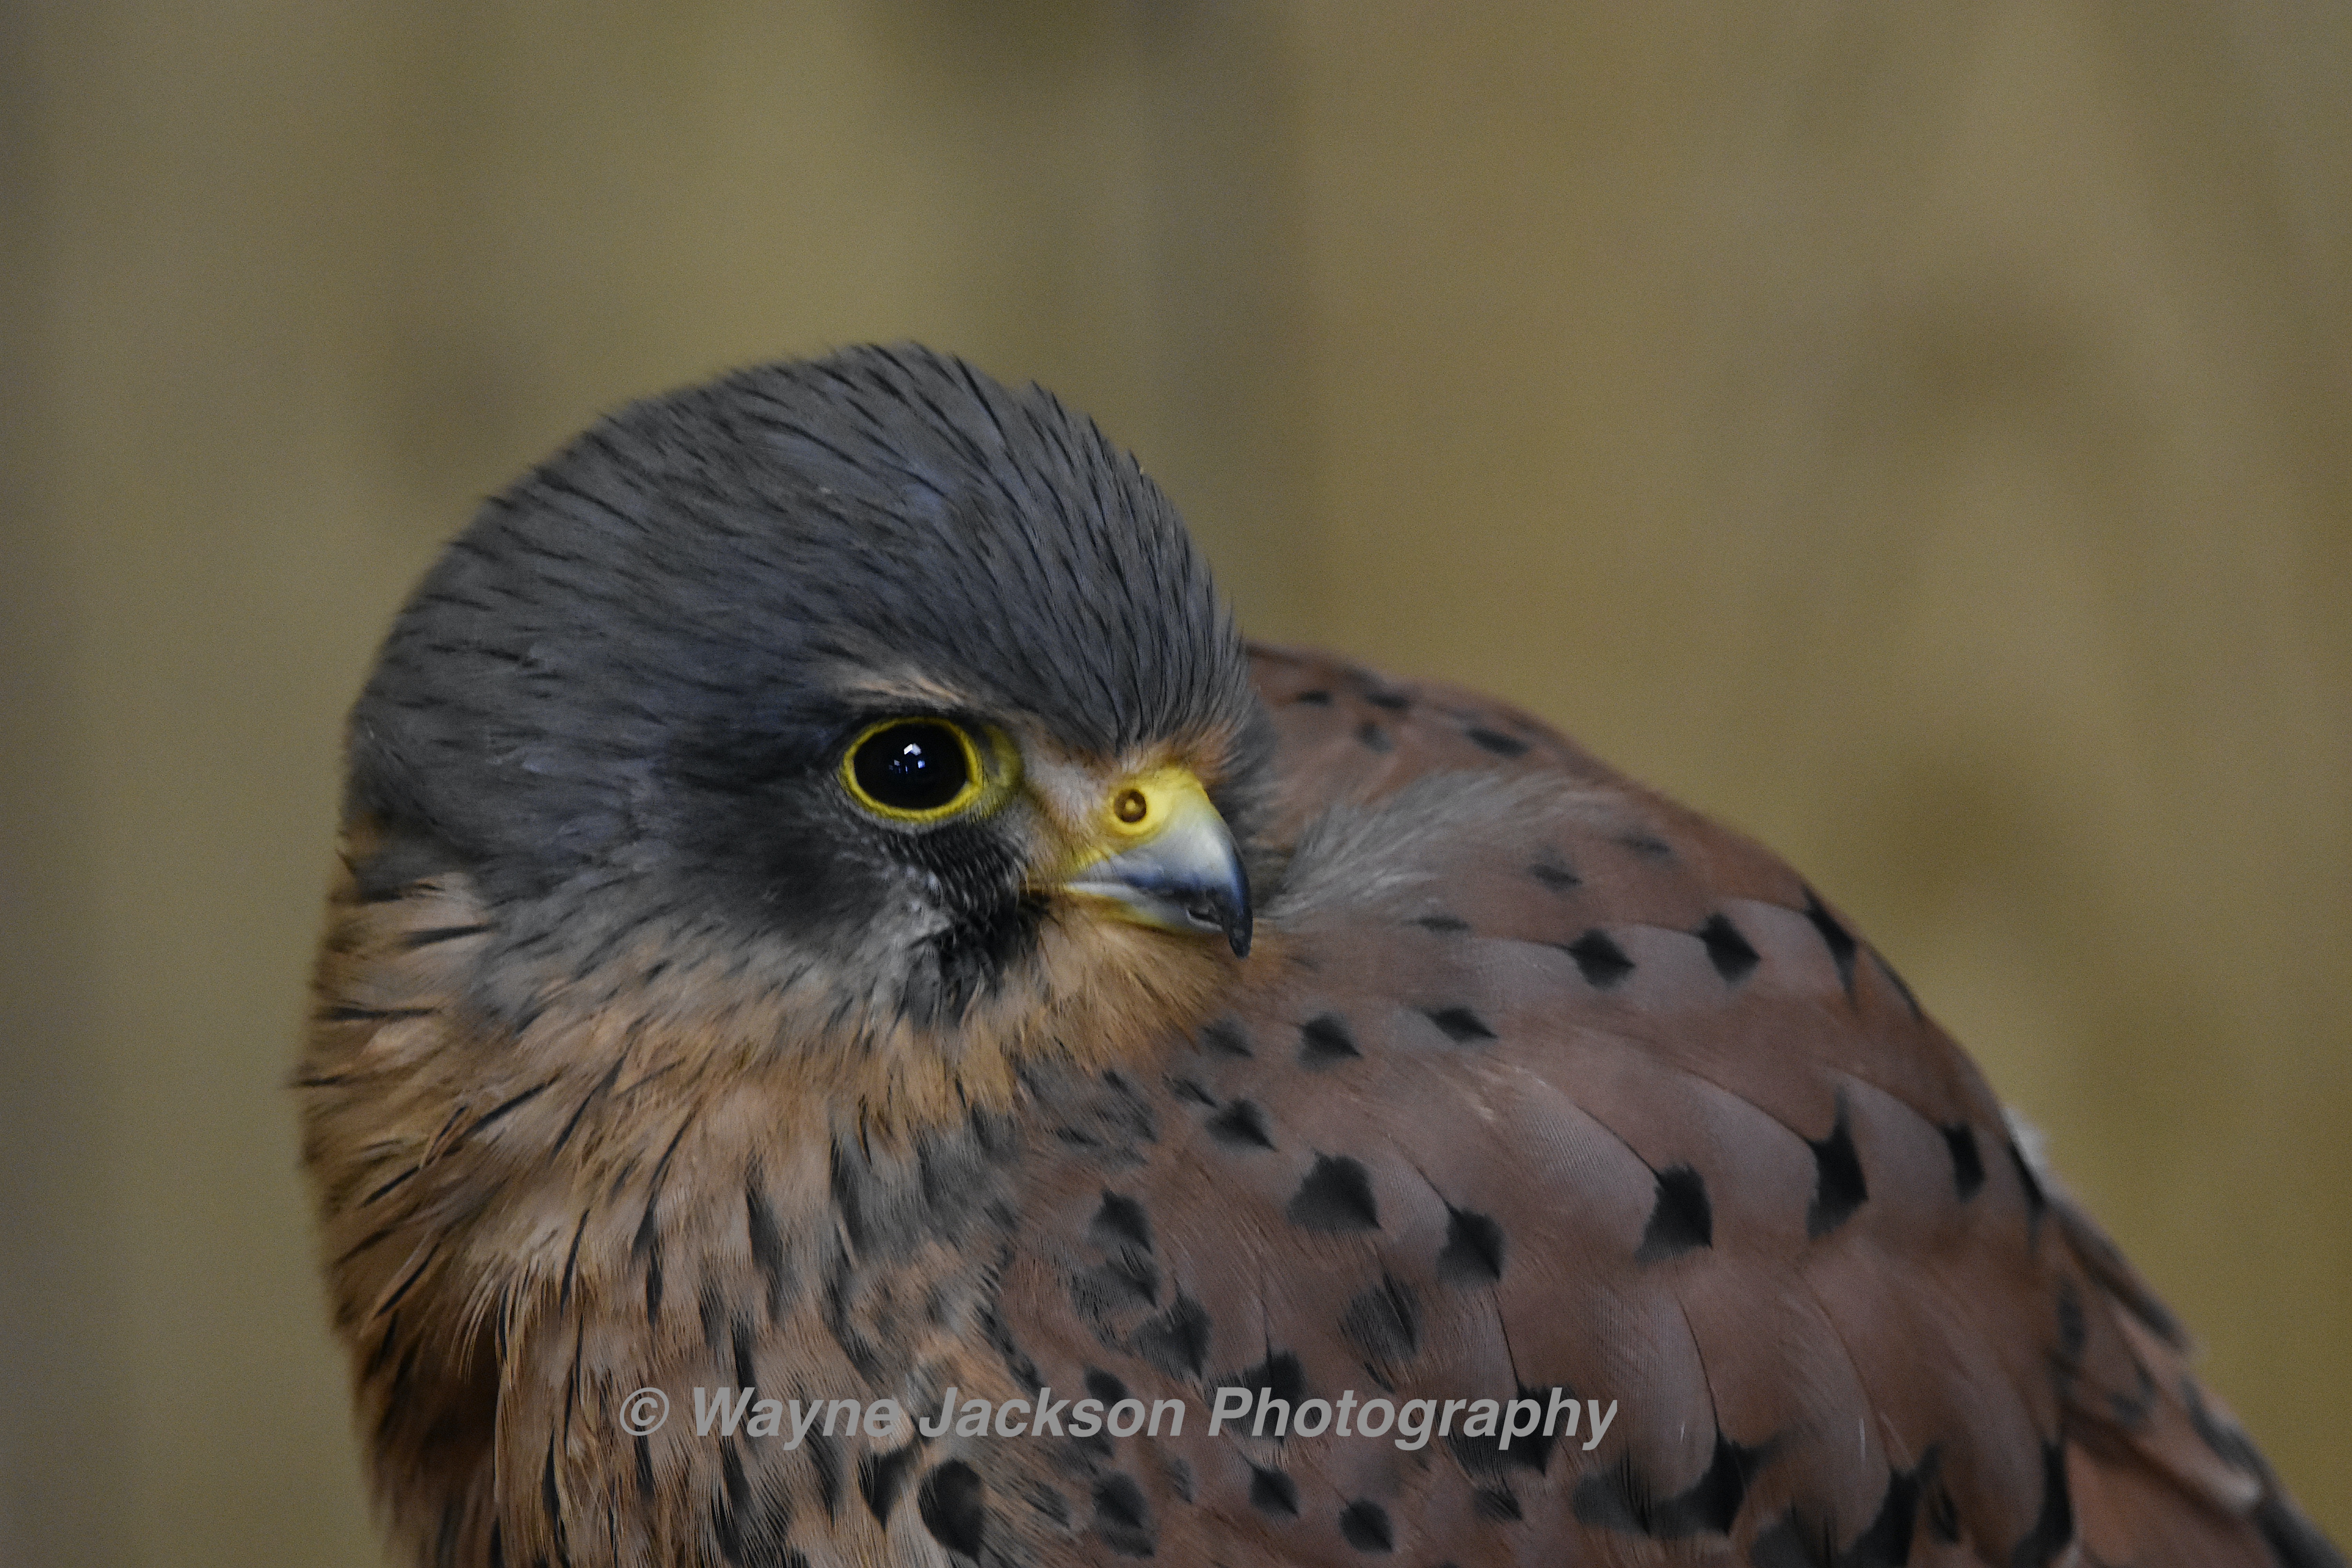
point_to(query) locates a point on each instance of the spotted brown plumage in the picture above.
(661, 1045)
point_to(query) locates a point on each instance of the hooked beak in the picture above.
(1164, 858)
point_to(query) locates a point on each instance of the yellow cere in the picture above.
(1144, 805)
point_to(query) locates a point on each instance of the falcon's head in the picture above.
(860, 708)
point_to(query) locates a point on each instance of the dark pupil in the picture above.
(912, 767)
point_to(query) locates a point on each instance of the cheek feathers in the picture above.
(932, 1015)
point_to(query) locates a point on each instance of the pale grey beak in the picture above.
(1186, 877)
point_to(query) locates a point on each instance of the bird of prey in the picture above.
(835, 918)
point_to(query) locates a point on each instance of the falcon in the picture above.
(834, 921)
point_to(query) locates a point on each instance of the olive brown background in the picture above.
(1920, 435)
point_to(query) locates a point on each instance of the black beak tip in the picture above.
(1227, 910)
(1234, 911)
(1231, 913)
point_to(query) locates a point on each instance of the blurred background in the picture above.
(1919, 435)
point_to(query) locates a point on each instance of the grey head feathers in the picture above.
(643, 658)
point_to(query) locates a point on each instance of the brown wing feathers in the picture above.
(1749, 1194)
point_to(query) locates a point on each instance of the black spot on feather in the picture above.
(1725, 949)
(1600, 960)
(741, 1343)
(1681, 1219)
(2053, 1531)
(2131, 1410)
(751, 1528)
(1121, 1517)
(1485, 1456)
(1191, 1088)
(1272, 1492)
(1125, 1280)
(351, 1013)
(1617, 1498)
(1472, 1253)
(1383, 1322)
(1839, 941)
(1225, 1037)
(1120, 1222)
(432, 935)
(1967, 1165)
(551, 1502)
(646, 1247)
(1278, 1377)
(881, 1477)
(1324, 1040)
(953, 1507)
(824, 1458)
(767, 1240)
(2074, 1327)
(1886, 1542)
(1364, 1525)
(1175, 1341)
(1241, 1125)
(2035, 1202)
(1460, 1025)
(1838, 1185)
(1335, 1195)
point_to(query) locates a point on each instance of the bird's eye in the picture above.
(913, 770)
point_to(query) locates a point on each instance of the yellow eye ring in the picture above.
(915, 770)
